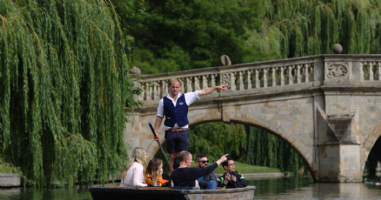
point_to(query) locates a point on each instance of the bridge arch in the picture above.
(296, 148)
(369, 144)
(282, 118)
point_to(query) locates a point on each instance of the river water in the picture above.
(267, 188)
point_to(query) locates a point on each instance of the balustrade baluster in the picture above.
(369, 73)
(305, 73)
(155, 90)
(149, 92)
(378, 71)
(160, 89)
(264, 78)
(297, 75)
(232, 81)
(289, 78)
(248, 80)
(256, 78)
(280, 75)
(153, 94)
(240, 81)
(189, 84)
(213, 82)
(311, 71)
(196, 83)
(362, 71)
(182, 90)
(272, 78)
(204, 81)
(164, 87)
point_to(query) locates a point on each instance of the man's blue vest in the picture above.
(175, 115)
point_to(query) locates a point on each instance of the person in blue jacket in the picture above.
(209, 181)
(174, 107)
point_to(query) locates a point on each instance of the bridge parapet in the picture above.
(258, 76)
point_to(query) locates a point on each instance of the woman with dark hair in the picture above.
(154, 173)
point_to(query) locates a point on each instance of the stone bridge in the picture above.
(326, 106)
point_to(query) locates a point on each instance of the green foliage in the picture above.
(178, 35)
(246, 144)
(266, 149)
(8, 168)
(216, 139)
(63, 86)
(294, 28)
(243, 168)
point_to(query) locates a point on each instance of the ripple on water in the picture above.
(304, 188)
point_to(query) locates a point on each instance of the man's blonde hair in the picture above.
(174, 80)
(184, 155)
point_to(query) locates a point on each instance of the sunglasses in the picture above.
(204, 161)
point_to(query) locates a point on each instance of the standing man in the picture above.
(174, 107)
(209, 181)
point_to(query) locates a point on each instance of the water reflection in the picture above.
(76, 193)
(304, 188)
(267, 188)
(80, 193)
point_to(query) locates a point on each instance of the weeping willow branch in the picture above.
(299, 28)
(63, 87)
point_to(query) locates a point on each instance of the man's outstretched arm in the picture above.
(209, 90)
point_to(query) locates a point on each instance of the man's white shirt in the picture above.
(190, 97)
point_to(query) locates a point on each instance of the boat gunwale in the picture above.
(169, 191)
(223, 190)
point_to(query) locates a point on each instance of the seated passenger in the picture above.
(154, 173)
(176, 164)
(133, 174)
(184, 176)
(208, 181)
(230, 179)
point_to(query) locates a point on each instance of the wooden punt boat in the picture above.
(165, 193)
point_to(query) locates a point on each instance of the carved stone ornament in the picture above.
(337, 71)
(225, 79)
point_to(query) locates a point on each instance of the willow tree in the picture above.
(63, 87)
(295, 28)
(216, 138)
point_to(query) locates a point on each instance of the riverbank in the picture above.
(10, 180)
(243, 168)
(9, 176)
(262, 175)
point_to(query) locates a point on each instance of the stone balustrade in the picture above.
(250, 77)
